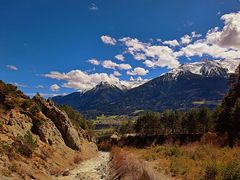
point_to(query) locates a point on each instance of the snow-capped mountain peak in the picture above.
(207, 68)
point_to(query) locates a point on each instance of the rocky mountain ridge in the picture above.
(190, 85)
(207, 68)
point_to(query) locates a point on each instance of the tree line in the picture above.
(223, 120)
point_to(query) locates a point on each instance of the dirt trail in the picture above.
(92, 169)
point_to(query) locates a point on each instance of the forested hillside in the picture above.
(224, 119)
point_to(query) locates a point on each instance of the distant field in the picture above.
(105, 125)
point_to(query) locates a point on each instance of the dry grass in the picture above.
(127, 166)
(194, 161)
(46, 152)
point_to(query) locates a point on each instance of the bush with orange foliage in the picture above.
(213, 139)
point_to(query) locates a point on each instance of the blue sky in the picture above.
(39, 37)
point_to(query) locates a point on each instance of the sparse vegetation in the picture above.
(26, 104)
(77, 119)
(45, 153)
(34, 109)
(22, 155)
(194, 161)
(232, 169)
(26, 144)
(13, 168)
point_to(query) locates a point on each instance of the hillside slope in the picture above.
(37, 139)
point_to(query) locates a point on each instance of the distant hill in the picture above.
(201, 83)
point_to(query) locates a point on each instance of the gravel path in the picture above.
(92, 169)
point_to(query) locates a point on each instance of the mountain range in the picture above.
(202, 83)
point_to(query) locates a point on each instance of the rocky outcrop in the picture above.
(38, 140)
(48, 133)
(64, 125)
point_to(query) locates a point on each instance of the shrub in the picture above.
(77, 119)
(104, 145)
(232, 170)
(5, 147)
(8, 150)
(178, 168)
(26, 145)
(211, 172)
(183, 167)
(213, 139)
(159, 149)
(149, 157)
(13, 168)
(173, 151)
(12, 102)
(35, 109)
(26, 104)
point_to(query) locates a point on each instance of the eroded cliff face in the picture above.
(37, 139)
(73, 138)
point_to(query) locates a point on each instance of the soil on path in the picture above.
(92, 169)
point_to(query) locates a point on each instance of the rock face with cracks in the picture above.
(62, 122)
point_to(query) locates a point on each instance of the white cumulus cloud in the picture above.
(117, 73)
(108, 40)
(124, 66)
(149, 63)
(171, 43)
(94, 62)
(230, 35)
(160, 56)
(112, 65)
(138, 71)
(218, 43)
(109, 64)
(186, 39)
(120, 57)
(55, 87)
(12, 67)
(200, 49)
